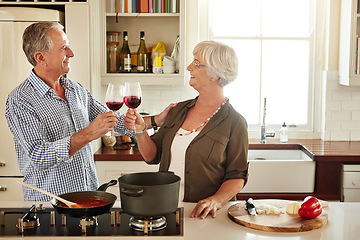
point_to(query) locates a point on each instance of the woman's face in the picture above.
(198, 74)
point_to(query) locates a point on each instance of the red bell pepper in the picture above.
(310, 208)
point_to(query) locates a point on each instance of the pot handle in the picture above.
(132, 192)
(104, 186)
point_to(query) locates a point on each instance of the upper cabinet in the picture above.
(349, 58)
(165, 27)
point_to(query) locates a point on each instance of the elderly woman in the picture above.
(203, 140)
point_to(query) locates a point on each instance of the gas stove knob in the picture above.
(3, 188)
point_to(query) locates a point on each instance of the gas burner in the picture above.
(29, 220)
(28, 223)
(89, 222)
(144, 224)
(38, 221)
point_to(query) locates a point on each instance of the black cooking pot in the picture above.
(100, 194)
(149, 194)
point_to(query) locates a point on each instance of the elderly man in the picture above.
(54, 119)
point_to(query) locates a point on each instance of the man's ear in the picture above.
(39, 58)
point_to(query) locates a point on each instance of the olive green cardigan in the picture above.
(218, 153)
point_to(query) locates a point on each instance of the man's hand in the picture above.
(102, 124)
(160, 119)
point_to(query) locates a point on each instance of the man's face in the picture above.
(58, 58)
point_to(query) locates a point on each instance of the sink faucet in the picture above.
(264, 134)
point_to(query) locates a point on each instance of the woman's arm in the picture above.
(211, 204)
(146, 145)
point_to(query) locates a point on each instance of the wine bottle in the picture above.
(125, 55)
(142, 61)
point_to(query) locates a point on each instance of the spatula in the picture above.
(68, 203)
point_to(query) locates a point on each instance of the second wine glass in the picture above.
(114, 98)
(132, 98)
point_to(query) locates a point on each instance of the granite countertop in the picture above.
(318, 149)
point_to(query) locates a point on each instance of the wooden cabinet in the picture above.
(164, 27)
(349, 33)
(10, 190)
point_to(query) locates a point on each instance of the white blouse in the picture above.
(178, 149)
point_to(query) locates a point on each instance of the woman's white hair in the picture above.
(220, 60)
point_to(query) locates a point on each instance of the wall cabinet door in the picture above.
(349, 59)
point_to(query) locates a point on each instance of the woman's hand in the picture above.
(204, 207)
(132, 118)
(211, 204)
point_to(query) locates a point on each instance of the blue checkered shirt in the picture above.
(42, 124)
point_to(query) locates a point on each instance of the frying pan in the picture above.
(100, 194)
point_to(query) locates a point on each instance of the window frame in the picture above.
(312, 128)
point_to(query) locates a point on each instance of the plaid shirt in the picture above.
(42, 124)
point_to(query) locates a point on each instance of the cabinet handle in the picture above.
(3, 188)
(2, 164)
(356, 182)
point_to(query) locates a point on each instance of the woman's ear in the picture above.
(215, 79)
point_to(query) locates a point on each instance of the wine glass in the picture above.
(114, 99)
(132, 98)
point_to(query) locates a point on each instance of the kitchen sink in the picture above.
(280, 171)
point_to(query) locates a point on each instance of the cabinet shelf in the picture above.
(143, 14)
(144, 78)
(165, 27)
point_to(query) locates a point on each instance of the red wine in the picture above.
(114, 106)
(132, 101)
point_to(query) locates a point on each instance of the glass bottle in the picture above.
(283, 133)
(113, 57)
(142, 61)
(125, 55)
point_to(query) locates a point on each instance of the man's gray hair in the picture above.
(36, 39)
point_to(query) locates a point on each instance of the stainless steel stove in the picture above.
(40, 221)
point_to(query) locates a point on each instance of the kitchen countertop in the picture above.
(343, 223)
(318, 149)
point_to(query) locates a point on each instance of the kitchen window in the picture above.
(274, 41)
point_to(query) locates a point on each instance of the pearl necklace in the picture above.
(206, 121)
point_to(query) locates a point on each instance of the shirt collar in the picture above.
(42, 87)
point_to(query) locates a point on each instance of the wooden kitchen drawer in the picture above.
(351, 195)
(351, 180)
(10, 190)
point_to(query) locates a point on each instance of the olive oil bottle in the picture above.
(142, 61)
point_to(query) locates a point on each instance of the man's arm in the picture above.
(102, 124)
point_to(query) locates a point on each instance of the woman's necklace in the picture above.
(206, 121)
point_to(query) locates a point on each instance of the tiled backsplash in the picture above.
(156, 98)
(342, 110)
(341, 120)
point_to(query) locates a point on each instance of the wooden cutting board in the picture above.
(274, 223)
